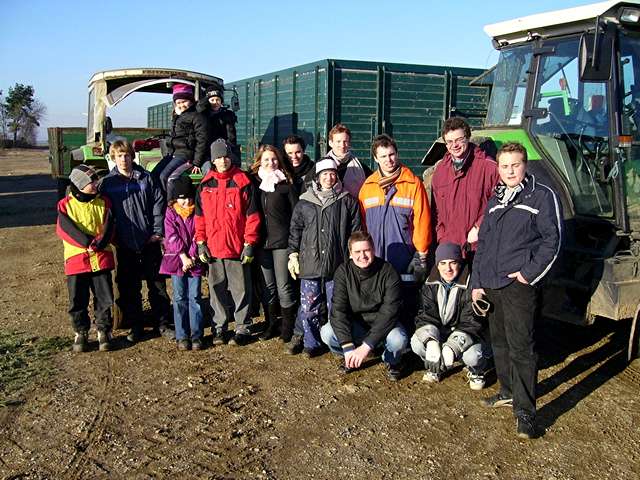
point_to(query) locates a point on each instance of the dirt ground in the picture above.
(148, 411)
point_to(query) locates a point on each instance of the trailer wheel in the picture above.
(633, 351)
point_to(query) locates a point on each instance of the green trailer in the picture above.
(409, 102)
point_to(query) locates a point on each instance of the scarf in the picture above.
(304, 166)
(270, 179)
(458, 163)
(385, 183)
(325, 195)
(184, 212)
(505, 194)
(354, 176)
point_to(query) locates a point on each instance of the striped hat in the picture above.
(83, 175)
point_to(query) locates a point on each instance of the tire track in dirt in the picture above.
(82, 458)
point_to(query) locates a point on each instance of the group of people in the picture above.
(341, 255)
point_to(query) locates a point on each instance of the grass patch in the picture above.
(23, 359)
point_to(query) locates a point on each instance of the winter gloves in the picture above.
(203, 252)
(433, 358)
(294, 265)
(247, 254)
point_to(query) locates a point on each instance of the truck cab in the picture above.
(567, 86)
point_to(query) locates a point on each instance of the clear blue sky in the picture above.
(57, 46)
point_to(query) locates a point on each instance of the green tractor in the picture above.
(69, 147)
(567, 86)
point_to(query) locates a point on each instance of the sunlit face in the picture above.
(295, 153)
(362, 253)
(269, 161)
(511, 168)
(90, 189)
(340, 144)
(387, 159)
(456, 142)
(327, 179)
(449, 270)
(222, 164)
(124, 162)
(215, 102)
(182, 105)
(184, 202)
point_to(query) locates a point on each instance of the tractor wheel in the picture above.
(633, 351)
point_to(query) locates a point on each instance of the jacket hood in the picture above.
(213, 173)
(311, 197)
(462, 281)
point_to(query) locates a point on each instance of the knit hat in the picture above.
(326, 163)
(182, 188)
(448, 251)
(215, 93)
(83, 175)
(219, 148)
(183, 91)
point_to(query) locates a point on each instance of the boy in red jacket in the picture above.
(227, 228)
(85, 226)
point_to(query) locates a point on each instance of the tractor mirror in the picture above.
(596, 52)
(235, 101)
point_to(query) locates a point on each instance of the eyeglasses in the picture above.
(457, 141)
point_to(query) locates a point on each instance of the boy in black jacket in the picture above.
(446, 328)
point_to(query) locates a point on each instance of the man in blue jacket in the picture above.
(519, 242)
(138, 206)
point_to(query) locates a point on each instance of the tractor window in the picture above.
(630, 79)
(574, 128)
(509, 87)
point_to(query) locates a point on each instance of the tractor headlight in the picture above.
(630, 15)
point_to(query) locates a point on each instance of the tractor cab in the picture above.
(567, 86)
(107, 89)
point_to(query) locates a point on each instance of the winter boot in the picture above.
(272, 321)
(104, 340)
(288, 322)
(81, 342)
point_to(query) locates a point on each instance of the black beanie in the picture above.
(182, 188)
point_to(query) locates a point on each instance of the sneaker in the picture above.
(81, 342)
(431, 377)
(313, 352)
(239, 339)
(135, 335)
(294, 346)
(168, 333)
(104, 341)
(184, 345)
(196, 344)
(525, 426)
(476, 380)
(394, 372)
(497, 400)
(343, 369)
(218, 338)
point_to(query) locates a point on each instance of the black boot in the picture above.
(271, 319)
(288, 322)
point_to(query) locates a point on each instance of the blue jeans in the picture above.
(312, 293)
(395, 343)
(187, 309)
